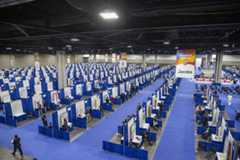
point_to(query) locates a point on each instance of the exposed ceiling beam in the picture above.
(184, 27)
(32, 27)
(7, 3)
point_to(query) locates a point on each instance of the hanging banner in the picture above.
(185, 64)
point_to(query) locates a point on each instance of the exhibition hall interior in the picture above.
(119, 80)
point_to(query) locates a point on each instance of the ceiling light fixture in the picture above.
(166, 42)
(108, 15)
(225, 45)
(50, 48)
(74, 39)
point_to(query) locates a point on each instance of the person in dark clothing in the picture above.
(16, 141)
(205, 119)
(44, 121)
(122, 96)
(160, 105)
(65, 124)
(108, 100)
(129, 95)
(50, 125)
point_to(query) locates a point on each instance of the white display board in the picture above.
(80, 109)
(79, 89)
(55, 97)
(122, 64)
(95, 100)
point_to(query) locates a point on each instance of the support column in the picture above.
(106, 58)
(69, 59)
(61, 63)
(76, 59)
(12, 60)
(218, 67)
(155, 58)
(209, 58)
(94, 58)
(144, 59)
(36, 60)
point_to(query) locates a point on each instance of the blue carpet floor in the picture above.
(231, 110)
(178, 140)
(88, 146)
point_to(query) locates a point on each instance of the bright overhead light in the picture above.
(8, 48)
(129, 46)
(50, 48)
(225, 45)
(74, 39)
(109, 15)
(166, 42)
(176, 47)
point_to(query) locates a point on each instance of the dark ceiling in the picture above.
(40, 25)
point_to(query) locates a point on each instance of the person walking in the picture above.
(16, 141)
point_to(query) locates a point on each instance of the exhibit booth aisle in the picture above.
(36, 87)
(216, 132)
(24, 93)
(138, 133)
(82, 113)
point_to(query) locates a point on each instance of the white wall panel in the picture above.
(4, 60)
(48, 59)
(134, 58)
(166, 59)
(28, 59)
(231, 59)
(24, 60)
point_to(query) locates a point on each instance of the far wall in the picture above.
(21, 60)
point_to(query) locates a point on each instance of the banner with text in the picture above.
(185, 64)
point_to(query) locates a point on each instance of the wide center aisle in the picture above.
(87, 146)
(178, 141)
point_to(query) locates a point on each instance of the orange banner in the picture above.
(185, 63)
(186, 56)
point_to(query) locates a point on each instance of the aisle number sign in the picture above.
(185, 63)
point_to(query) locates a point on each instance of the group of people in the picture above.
(202, 117)
(41, 107)
(45, 122)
